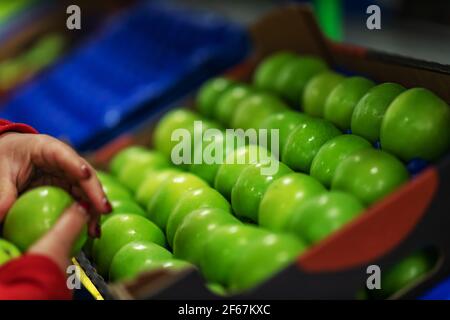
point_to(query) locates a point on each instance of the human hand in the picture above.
(30, 160)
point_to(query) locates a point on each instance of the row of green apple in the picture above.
(386, 112)
(214, 241)
(195, 217)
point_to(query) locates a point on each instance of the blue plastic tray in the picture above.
(144, 59)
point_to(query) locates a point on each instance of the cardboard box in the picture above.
(415, 216)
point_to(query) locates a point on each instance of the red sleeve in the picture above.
(33, 277)
(6, 126)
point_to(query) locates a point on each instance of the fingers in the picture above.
(8, 194)
(58, 158)
(57, 244)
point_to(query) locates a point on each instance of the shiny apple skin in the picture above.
(305, 141)
(320, 216)
(416, 125)
(370, 110)
(124, 156)
(284, 196)
(210, 93)
(152, 183)
(228, 102)
(269, 68)
(332, 153)
(343, 99)
(370, 175)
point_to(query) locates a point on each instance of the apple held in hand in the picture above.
(8, 251)
(135, 171)
(344, 98)
(263, 259)
(209, 94)
(267, 71)
(33, 215)
(192, 235)
(171, 121)
(284, 196)
(123, 157)
(152, 183)
(293, 76)
(370, 110)
(251, 186)
(332, 153)
(228, 102)
(416, 125)
(252, 111)
(285, 122)
(322, 215)
(113, 189)
(369, 174)
(224, 248)
(192, 200)
(168, 196)
(405, 273)
(235, 162)
(317, 91)
(133, 258)
(305, 141)
(120, 230)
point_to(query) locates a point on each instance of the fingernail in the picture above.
(86, 171)
(108, 206)
(85, 205)
(98, 231)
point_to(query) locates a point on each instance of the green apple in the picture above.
(285, 122)
(124, 207)
(210, 92)
(123, 157)
(293, 76)
(268, 69)
(252, 110)
(212, 150)
(192, 200)
(416, 125)
(224, 248)
(369, 174)
(263, 259)
(34, 214)
(168, 196)
(134, 172)
(152, 183)
(305, 141)
(195, 229)
(370, 110)
(332, 153)
(235, 162)
(8, 251)
(284, 196)
(216, 288)
(171, 121)
(320, 216)
(228, 102)
(317, 91)
(404, 274)
(251, 186)
(113, 189)
(344, 98)
(120, 230)
(133, 258)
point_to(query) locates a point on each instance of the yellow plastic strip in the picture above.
(87, 283)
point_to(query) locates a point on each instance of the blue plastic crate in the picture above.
(148, 57)
(440, 292)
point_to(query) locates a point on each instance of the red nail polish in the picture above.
(108, 206)
(86, 171)
(98, 231)
(85, 205)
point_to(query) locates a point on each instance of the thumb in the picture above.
(57, 243)
(8, 194)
